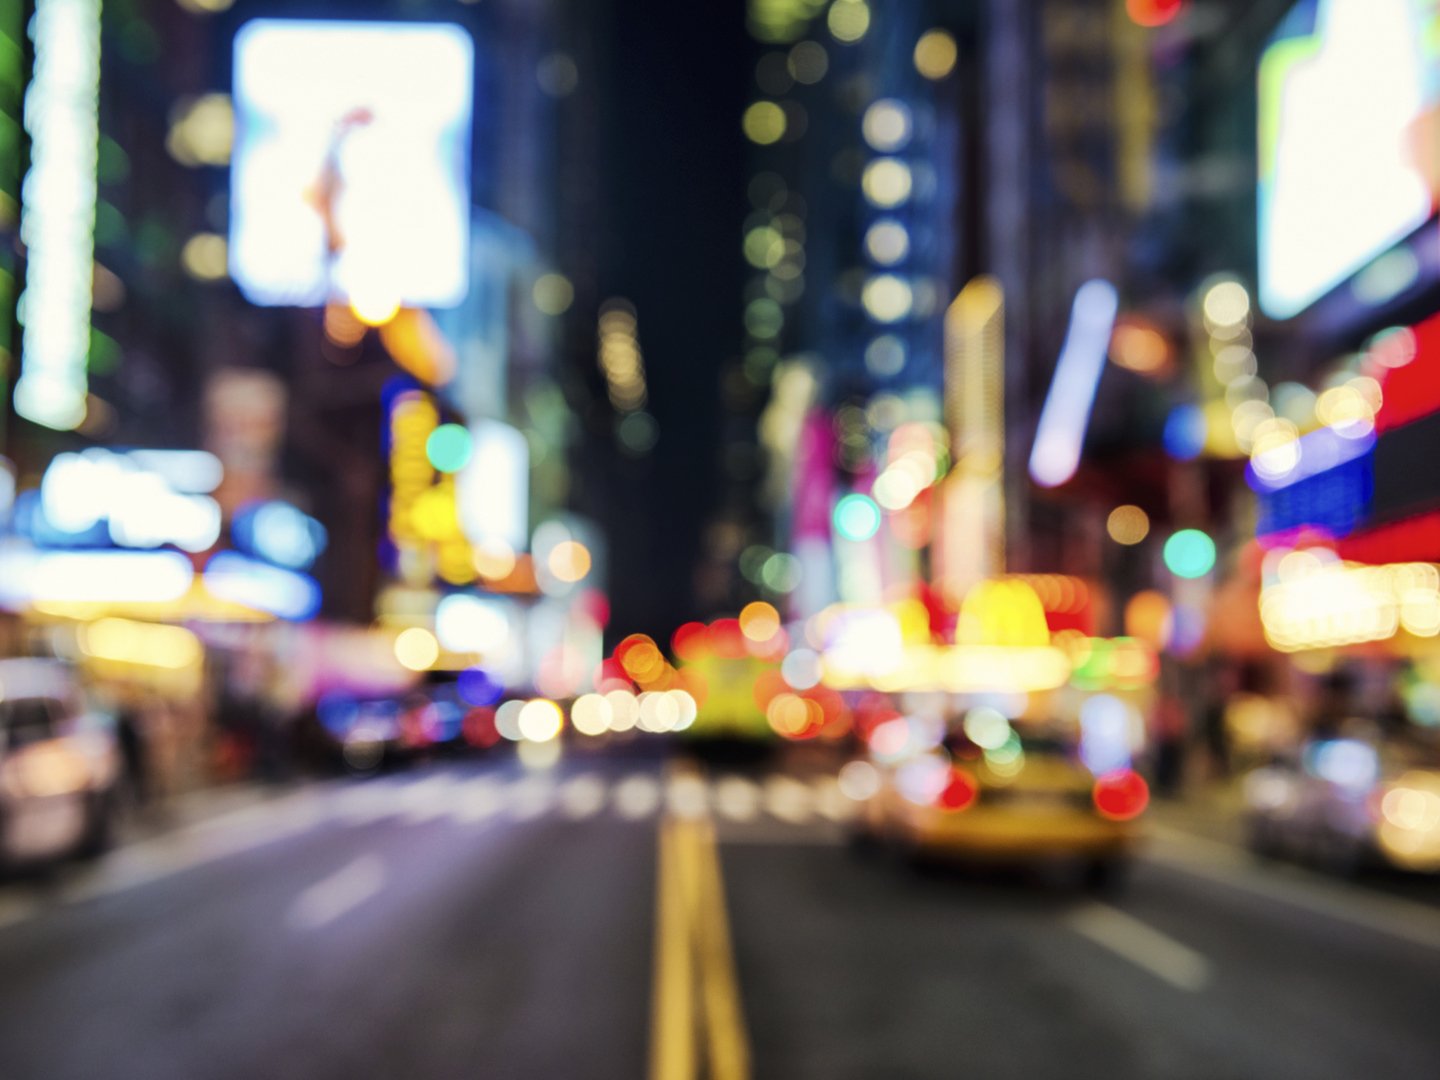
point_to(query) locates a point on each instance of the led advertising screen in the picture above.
(350, 175)
(1348, 92)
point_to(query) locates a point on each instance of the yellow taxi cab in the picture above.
(987, 792)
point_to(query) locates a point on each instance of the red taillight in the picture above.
(1121, 795)
(960, 792)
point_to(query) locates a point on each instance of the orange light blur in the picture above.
(759, 621)
(769, 685)
(342, 326)
(795, 717)
(1139, 347)
(494, 560)
(690, 642)
(773, 648)
(641, 658)
(569, 561)
(1152, 12)
(693, 683)
(1148, 617)
(416, 344)
(1059, 593)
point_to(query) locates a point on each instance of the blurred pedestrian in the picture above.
(1224, 685)
(1170, 726)
(136, 772)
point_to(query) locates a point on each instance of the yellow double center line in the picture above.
(695, 1014)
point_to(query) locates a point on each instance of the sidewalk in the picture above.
(178, 812)
(156, 840)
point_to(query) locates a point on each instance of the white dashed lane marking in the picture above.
(1143, 945)
(343, 891)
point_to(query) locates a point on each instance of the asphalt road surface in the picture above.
(476, 920)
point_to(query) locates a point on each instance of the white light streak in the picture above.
(57, 222)
(1061, 433)
(28, 576)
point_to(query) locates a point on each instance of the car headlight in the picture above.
(1413, 809)
(44, 769)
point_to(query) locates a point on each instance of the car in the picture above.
(1345, 804)
(59, 764)
(933, 791)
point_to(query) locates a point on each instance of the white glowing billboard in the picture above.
(1347, 90)
(350, 174)
(493, 489)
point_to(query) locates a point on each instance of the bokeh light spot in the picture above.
(569, 561)
(449, 447)
(886, 182)
(416, 648)
(1152, 12)
(540, 720)
(759, 621)
(808, 62)
(1185, 432)
(857, 517)
(553, 294)
(935, 54)
(764, 122)
(1226, 304)
(1128, 525)
(1189, 553)
(886, 125)
(848, 20)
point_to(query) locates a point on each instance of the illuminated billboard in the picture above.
(350, 175)
(1348, 91)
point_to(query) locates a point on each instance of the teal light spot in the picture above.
(857, 517)
(448, 447)
(1189, 553)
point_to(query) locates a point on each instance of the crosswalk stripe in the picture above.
(530, 798)
(578, 798)
(788, 799)
(427, 799)
(582, 797)
(737, 799)
(477, 800)
(636, 797)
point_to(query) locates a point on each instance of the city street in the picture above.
(770, 540)
(472, 919)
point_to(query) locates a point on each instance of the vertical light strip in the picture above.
(57, 221)
(971, 542)
(1061, 434)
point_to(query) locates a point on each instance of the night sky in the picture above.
(674, 165)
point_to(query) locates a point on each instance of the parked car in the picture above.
(59, 764)
(1344, 804)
